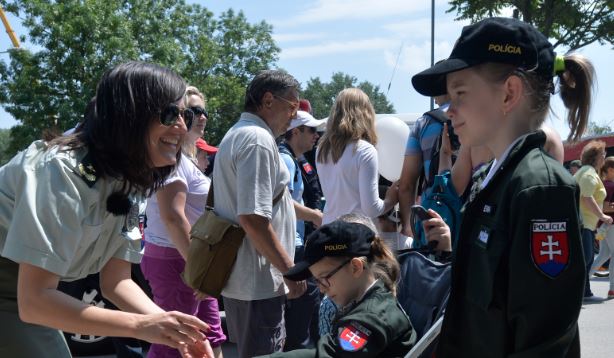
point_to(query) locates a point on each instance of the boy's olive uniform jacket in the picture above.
(518, 271)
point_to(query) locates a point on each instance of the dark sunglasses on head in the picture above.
(198, 111)
(171, 114)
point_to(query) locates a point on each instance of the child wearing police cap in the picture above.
(518, 269)
(353, 266)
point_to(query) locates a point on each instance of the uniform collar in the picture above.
(528, 142)
(375, 286)
(517, 151)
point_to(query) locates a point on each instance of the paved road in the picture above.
(597, 322)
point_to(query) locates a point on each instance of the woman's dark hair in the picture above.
(607, 164)
(129, 98)
(275, 81)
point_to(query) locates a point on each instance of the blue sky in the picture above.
(363, 37)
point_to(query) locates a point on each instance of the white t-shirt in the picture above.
(350, 185)
(248, 174)
(197, 187)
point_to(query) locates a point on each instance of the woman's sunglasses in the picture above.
(171, 114)
(198, 111)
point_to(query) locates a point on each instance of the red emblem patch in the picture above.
(550, 247)
(351, 339)
(307, 167)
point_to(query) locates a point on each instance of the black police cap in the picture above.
(338, 238)
(496, 39)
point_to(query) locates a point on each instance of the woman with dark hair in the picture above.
(70, 207)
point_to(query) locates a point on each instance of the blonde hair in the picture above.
(193, 91)
(575, 87)
(351, 118)
(382, 262)
(189, 149)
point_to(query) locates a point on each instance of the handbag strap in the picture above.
(209, 204)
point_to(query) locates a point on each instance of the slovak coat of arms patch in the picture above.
(352, 339)
(550, 246)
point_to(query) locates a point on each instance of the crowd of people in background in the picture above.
(317, 271)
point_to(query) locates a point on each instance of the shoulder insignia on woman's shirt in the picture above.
(353, 336)
(86, 171)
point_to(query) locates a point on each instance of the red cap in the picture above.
(305, 105)
(201, 144)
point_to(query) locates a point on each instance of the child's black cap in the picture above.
(496, 39)
(335, 239)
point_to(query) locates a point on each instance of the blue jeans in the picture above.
(588, 236)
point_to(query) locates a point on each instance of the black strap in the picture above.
(209, 204)
(438, 115)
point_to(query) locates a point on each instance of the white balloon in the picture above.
(392, 134)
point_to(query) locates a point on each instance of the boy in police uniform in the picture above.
(518, 270)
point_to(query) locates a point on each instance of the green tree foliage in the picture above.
(47, 86)
(322, 95)
(5, 135)
(571, 23)
(595, 129)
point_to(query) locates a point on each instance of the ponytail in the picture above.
(575, 73)
(575, 86)
(384, 265)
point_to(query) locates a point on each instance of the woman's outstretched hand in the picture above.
(174, 329)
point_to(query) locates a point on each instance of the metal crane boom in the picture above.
(8, 28)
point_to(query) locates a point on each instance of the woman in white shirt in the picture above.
(347, 160)
(170, 215)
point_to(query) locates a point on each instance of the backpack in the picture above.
(283, 148)
(442, 198)
(437, 192)
(439, 116)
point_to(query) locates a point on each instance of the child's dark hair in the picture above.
(575, 84)
(607, 164)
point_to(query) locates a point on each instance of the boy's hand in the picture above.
(436, 229)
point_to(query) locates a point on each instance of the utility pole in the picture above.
(8, 28)
(432, 42)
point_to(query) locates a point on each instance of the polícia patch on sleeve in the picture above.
(550, 246)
